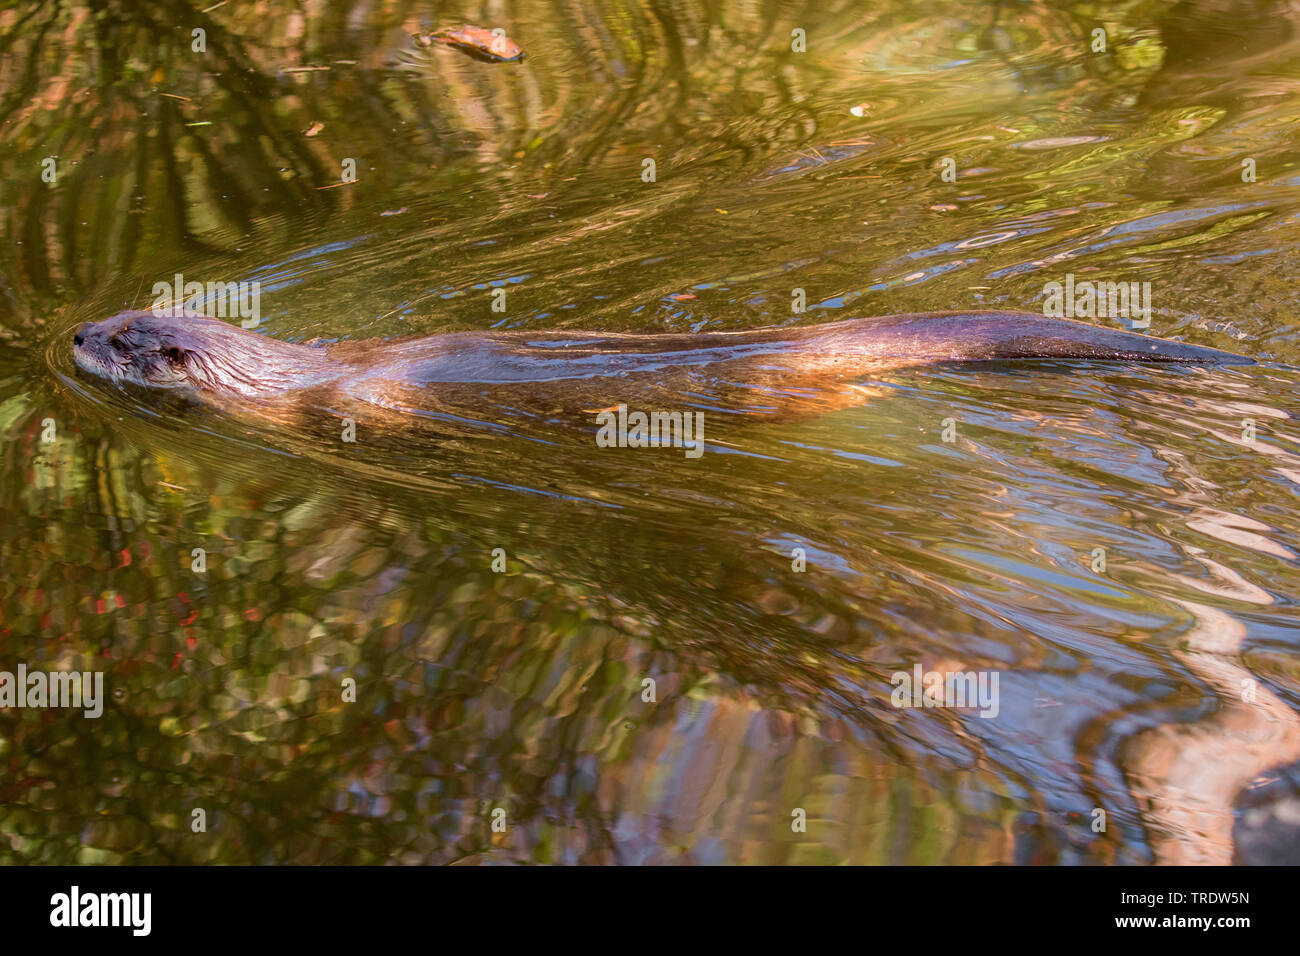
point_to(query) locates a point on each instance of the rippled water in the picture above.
(771, 588)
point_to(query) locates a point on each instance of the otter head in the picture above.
(195, 352)
(136, 347)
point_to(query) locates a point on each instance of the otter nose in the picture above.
(80, 335)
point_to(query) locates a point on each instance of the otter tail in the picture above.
(936, 337)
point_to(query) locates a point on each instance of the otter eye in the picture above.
(117, 343)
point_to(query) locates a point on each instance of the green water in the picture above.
(524, 690)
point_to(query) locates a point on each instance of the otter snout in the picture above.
(79, 336)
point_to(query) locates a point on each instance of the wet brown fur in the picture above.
(771, 371)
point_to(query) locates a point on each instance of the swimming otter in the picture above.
(222, 361)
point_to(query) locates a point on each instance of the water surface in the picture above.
(771, 587)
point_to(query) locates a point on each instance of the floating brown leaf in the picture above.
(489, 45)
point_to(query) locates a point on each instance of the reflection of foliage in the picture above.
(161, 149)
(133, 114)
(477, 690)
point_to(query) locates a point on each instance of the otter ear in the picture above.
(174, 354)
